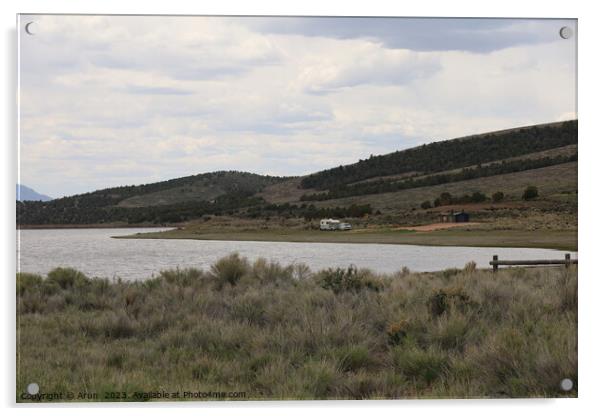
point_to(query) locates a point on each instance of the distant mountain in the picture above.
(25, 193)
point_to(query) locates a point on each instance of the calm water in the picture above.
(94, 252)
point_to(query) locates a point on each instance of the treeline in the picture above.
(239, 204)
(492, 169)
(450, 154)
(46, 213)
(308, 212)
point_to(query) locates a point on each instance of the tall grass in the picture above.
(283, 332)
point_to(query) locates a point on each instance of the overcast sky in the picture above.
(118, 100)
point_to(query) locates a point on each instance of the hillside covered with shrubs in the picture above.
(446, 155)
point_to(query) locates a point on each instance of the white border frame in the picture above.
(589, 197)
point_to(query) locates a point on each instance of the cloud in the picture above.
(114, 100)
(422, 34)
(135, 89)
(367, 63)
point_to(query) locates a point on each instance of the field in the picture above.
(266, 331)
(553, 239)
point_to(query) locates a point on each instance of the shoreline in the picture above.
(555, 240)
(90, 226)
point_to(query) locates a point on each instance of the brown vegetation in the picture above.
(283, 332)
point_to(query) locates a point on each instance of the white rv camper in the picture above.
(332, 225)
(329, 224)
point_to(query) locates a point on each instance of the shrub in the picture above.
(478, 197)
(116, 359)
(301, 271)
(111, 326)
(67, 277)
(397, 332)
(530, 192)
(443, 300)
(319, 379)
(27, 282)
(450, 272)
(451, 333)
(470, 267)
(250, 309)
(347, 280)
(270, 272)
(353, 358)
(49, 287)
(497, 197)
(426, 205)
(230, 269)
(181, 277)
(424, 366)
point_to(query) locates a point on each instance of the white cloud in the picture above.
(359, 62)
(111, 100)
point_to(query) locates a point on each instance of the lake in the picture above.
(95, 253)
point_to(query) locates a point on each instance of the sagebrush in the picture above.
(284, 332)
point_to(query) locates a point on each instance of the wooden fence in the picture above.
(566, 262)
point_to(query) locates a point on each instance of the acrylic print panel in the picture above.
(269, 208)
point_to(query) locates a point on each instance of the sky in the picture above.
(120, 100)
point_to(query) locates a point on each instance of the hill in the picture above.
(469, 169)
(425, 164)
(171, 201)
(25, 193)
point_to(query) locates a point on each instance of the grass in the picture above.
(540, 238)
(266, 331)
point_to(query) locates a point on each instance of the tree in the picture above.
(530, 193)
(497, 197)
(445, 198)
(426, 205)
(478, 197)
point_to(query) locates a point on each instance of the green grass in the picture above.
(283, 332)
(541, 238)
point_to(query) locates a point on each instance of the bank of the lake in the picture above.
(549, 239)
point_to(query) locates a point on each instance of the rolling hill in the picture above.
(505, 161)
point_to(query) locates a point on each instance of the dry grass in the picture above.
(281, 332)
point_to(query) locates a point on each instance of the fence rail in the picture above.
(496, 262)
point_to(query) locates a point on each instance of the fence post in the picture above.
(567, 260)
(495, 263)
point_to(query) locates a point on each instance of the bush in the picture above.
(470, 267)
(420, 365)
(319, 379)
(353, 358)
(347, 280)
(497, 197)
(397, 332)
(426, 205)
(230, 269)
(118, 326)
(271, 272)
(530, 192)
(181, 277)
(67, 277)
(27, 282)
(478, 197)
(443, 300)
